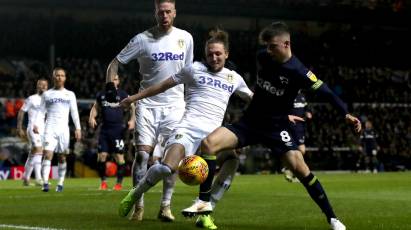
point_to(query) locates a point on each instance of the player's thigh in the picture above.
(146, 126)
(119, 158)
(36, 140)
(102, 156)
(63, 140)
(294, 160)
(219, 140)
(174, 154)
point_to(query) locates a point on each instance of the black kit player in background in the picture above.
(280, 77)
(300, 109)
(369, 148)
(111, 135)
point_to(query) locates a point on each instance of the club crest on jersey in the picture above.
(312, 76)
(283, 80)
(230, 78)
(181, 43)
(178, 136)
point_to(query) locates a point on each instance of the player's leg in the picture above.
(169, 121)
(298, 132)
(63, 142)
(101, 169)
(28, 169)
(156, 173)
(121, 170)
(229, 164)
(34, 158)
(61, 170)
(145, 138)
(46, 168)
(294, 160)
(37, 158)
(164, 213)
(219, 140)
(117, 147)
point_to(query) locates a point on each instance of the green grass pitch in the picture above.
(362, 201)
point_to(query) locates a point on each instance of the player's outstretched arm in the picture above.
(112, 70)
(131, 122)
(354, 121)
(294, 119)
(92, 117)
(20, 117)
(150, 91)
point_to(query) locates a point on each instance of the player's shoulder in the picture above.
(122, 93)
(198, 66)
(181, 31)
(69, 92)
(33, 97)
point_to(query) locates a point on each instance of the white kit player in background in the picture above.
(161, 51)
(208, 89)
(31, 106)
(57, 103)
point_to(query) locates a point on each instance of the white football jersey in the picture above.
(57, 104)
(159, 57)
(208, 93)
(32, 106)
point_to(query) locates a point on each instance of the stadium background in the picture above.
(357, 47)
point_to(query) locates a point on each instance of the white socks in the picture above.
(139, 169)
(168, 189)
(224, 179)
(46, 170)
(37, 166)
(62, 168)
(28, 167)
(153, 176)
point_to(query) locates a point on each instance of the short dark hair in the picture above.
(43, 79)
(162, 1)
(218, 35)
(59, 68)
(273, 30)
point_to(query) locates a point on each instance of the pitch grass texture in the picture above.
(362, 201)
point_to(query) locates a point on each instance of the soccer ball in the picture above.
(111, 169)
(193, 170)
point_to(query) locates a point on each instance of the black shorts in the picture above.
(298, 132)
(111, 139)
(277, 137)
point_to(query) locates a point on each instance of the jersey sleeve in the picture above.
(26, 105)
(131, 51)
(308, 78)
(242, 89)
(185, 75)
(74, 111)
(41, 111)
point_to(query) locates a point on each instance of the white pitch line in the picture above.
(27, 227)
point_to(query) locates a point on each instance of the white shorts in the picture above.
(35, 139)
(190, 135)
(159, 148)
(57, 140)
(152, 122)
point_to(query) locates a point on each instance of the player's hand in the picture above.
(35, 129)
(294, 119)
(92, 123)
(131, 124)
(21, 133)
(77, 134)
(309, 115)
(353, 120)
(126, 102)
